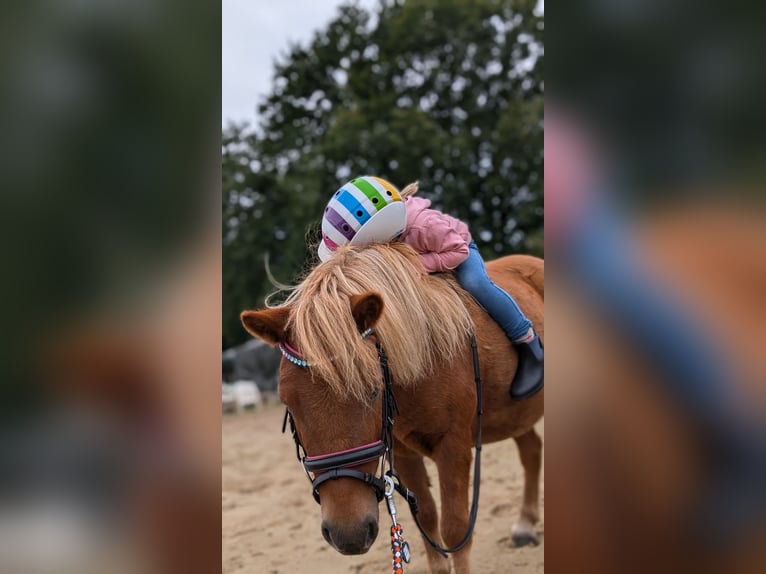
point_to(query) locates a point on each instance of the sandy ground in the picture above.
(271, 523)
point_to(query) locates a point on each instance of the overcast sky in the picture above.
(254, 32)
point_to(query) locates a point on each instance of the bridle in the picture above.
(341, 464)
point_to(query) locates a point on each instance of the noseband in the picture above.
(324, 467)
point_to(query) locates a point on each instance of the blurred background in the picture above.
(446, 92)
(110, 210)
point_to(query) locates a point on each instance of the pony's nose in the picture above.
(355, 539)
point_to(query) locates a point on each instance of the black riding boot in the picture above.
(528, 379)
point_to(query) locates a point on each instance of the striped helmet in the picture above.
(365, 210)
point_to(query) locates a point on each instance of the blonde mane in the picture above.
(424, 319)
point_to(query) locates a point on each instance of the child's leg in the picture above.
(472, 276)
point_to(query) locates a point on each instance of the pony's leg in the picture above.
(413, 472)
(530, 451)
(453, 461)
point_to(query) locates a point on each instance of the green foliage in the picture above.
(447, 92)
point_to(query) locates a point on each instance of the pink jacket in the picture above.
(441, 240)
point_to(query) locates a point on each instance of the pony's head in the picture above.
(331, 377)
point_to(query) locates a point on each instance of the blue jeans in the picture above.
(472, 276)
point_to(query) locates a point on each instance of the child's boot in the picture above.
(528, 379)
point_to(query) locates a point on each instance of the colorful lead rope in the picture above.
(399, 549)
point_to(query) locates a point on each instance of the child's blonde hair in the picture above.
(410, 190)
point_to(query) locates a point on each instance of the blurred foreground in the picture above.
(655, 228)
(628, 464)
(656, 324)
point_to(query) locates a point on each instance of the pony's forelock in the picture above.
(423, 319)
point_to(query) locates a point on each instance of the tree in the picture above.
(442, 91)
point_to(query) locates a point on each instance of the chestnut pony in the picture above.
(424, 324)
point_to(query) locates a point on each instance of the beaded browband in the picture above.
(295, 357)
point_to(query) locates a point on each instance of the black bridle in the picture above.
(341, 464)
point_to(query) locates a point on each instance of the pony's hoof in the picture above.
(524, 537)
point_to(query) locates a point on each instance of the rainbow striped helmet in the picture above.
(365, 210)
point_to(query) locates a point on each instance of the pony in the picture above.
(380, 295)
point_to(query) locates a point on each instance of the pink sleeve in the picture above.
(441, 245)
(433, 261)
(440, 239)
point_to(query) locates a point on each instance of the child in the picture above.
(370, 209)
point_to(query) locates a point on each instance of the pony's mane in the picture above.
(423, 320)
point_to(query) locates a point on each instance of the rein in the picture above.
(341, 464)
(410, 497)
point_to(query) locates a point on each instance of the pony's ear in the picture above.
(267, 324)
(366, 309)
